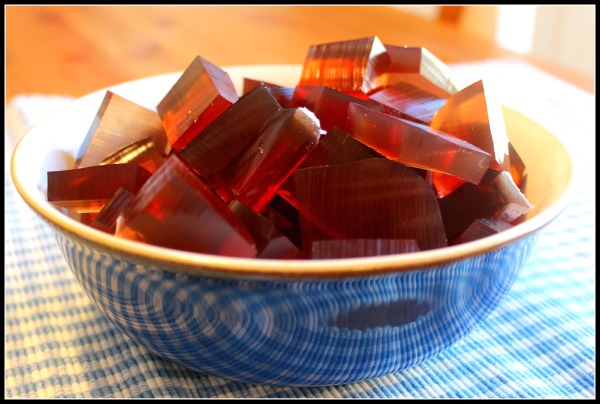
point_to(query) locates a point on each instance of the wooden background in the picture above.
(75, 50)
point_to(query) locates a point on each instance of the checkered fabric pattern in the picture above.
(538, 343)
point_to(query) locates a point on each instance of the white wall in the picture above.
(563, 34)
(566, 34)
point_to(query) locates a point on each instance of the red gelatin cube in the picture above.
(416, 145)
(417, 66)
(470, 202)
(119, 123)
(201, 94)
(412, 102)
(270, 242)
(143, 153)
(345, 65)
(88, 189)
(327, 249)
(335, 147)
(106, 220)
(228, 137)
(285, 140)
(367, 199)
(176, 210)
(474, 116)
(329, 105)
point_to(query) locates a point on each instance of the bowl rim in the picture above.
(201, 264)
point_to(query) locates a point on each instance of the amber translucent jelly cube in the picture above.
(201, 94)
(143, 153)
(417, 104)
(345, 65)
(335, 147)
(119, 123)
(475, 116)
(106, 220)
(326, 249)
(88, 189)
(470, 202)
(228, 137)
(417, 66)
(329, 105)
(270, 242)
(367, 199)
(285, 140)
(175, 209)
(416, 145)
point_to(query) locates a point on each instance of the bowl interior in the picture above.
(53, 143)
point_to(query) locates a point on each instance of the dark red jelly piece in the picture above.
(335, 147)
(285, 217)
(201, 94)
(285, 140)
(416, 145)
(470, 202)
(367, 199)
(119, 122)
(175, 209)
(228, 137)
(326, 249)
(329, 105)
(270, 242)
(90, 188)
(106, 220)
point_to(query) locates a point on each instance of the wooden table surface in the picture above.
(75, 50)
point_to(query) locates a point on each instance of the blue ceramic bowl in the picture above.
(299, 322)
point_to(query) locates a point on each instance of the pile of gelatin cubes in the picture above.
(375, 151)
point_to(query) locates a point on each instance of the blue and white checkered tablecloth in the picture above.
(539, 343)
